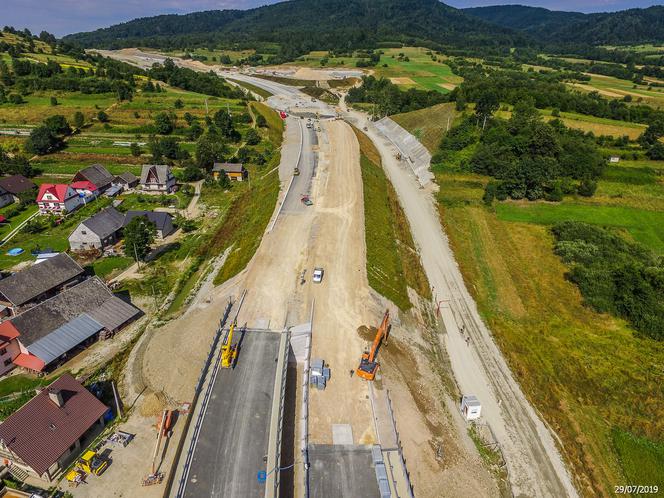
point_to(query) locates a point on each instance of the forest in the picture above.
(528, 158)
(389, 99)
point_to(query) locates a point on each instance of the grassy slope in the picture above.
(250, 212)
(585, 372)
(393, 264)
(428, 124)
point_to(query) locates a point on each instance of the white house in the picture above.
(57, 198)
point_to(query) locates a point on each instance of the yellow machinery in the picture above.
(229, 350)
(92, 463)
(368, 363)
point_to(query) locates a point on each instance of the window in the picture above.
(84, 232)
(7, 362)
(3, 351)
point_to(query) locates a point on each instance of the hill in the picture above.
(634, 26)
(530, 19)
(299, 26)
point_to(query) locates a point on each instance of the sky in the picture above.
(62, 17)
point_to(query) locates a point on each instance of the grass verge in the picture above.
(393, 263)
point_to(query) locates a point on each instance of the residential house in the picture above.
(127, 180)
(157, 178)
(17, 185)
(163, 221)
(233, 171)
(5, 197)
(9, 346)
(97, 175)
(46, 434)
(38, 282)
(86, 190)
(97, 232)
(50, 331)
(57, 199)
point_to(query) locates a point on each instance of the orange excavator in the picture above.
(368, 364)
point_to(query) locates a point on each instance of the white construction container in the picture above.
(471, 408)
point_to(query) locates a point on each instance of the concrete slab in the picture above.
(342, 434)
(234, 436)
(342, 471)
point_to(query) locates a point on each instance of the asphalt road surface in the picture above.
(342, 471)
(234, 436)
(307, 166)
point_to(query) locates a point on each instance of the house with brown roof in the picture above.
(47, 433)
(17, 186)
(233, 171)
(38, 282)
(97, 175)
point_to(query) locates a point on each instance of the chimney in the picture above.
(56, 396)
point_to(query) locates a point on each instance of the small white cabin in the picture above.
(471, 408)
(614, 159)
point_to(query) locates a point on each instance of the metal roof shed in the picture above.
(64, 338)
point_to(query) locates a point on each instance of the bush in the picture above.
(614, 275)
(102, 117)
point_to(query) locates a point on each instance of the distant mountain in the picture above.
(523, 18)
(634, 26)
(303, 25)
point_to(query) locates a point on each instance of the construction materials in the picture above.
(471, 408)
(75, 477)
(155, 478)
(228, 349)
(319, 375)
(368, 363)
(91, 463)
(120, 438)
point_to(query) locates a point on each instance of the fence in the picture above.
(406, 476)
(276, 424)
(201, 413)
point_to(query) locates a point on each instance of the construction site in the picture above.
(296, 379)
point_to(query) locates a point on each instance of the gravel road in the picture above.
(533, 461)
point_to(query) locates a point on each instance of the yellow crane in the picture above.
(228, 349)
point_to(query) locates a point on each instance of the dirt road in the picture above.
(534, 463)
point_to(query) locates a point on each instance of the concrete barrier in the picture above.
(412, 151)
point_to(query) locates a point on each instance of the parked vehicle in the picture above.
(318, 275)
(306, 200)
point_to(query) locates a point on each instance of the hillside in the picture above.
(524, 18)
(299, 26)
(634, 26)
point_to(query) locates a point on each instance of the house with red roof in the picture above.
(57, 198)
(86, 190)
(47, 433)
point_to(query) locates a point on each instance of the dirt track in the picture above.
(535, 465)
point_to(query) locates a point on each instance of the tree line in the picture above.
(389, 99)
(526, 157)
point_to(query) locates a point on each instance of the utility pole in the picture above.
(136, 257)
(206, 107)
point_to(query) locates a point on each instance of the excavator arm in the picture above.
(368, 364)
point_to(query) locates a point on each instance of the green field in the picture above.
(646, 227)
(420, 71)
(611, 87)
